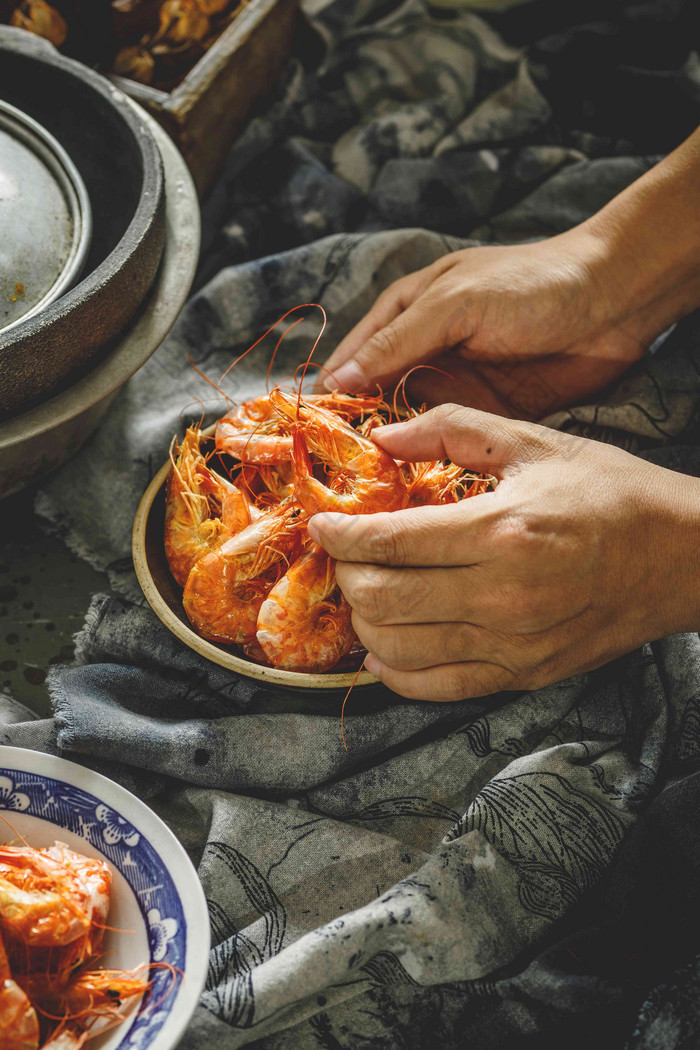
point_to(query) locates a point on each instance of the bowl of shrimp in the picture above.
(221, 546)
(104, 929)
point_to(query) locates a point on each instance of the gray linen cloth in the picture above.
(518, 870)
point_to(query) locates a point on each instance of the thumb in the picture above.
(413, 337)
(476, 440)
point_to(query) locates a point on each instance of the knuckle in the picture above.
(384, 346)
(393, 649)
(520, 533)
(367, 594)
(455, 683)
(449, 414)
(385, 543)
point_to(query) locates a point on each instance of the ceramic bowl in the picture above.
(158, 906)
(165, 598)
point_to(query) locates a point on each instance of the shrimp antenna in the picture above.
(195, 401)
(401, 385)
(285, 333)
(217, 386)
(345, 700)
(13, 828)
(311, 352)
(299, 306)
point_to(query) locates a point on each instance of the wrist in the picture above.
(645, 246)
(672, 552)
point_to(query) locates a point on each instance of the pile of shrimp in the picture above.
(53, 909)
(236, 537)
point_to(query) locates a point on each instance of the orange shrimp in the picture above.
(19, 1024)
(70, 1037)
(225, 589)
(93, 879)
(366, 478)
(255, 432)
(55, 902)
(201, 508)
(88, 996)
(43, 917)
(304, 624)
(438, 482)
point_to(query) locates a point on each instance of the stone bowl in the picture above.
(39, 440)
(116, 155)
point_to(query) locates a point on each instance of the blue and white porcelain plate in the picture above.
(158, 911)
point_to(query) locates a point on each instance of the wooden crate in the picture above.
(206, 109)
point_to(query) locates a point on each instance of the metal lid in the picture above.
(45, 218)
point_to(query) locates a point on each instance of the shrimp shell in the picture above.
(225, 589)
(305, 624)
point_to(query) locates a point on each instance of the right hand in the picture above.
(520, 331)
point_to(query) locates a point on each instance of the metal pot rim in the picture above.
(52, 154)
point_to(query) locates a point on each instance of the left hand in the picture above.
(582, 553)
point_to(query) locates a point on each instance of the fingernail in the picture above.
(373, 664)
(349, 377)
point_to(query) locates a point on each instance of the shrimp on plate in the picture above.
(365, 478)
(53, 906)
(254, 432)
(54, 898)
(19, 1024)
(225, 588)
(438, 482)
(89, 995)
(202, 509)
(304, 624)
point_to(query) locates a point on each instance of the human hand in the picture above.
(582, 553)
(525, 330)
(520, 331)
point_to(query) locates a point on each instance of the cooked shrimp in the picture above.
(255, 432)
(88, 996)
(19, 1024)
(366, 478)
(304, 624)
(225, 589)
(439, 482)
(201, 508)
(93, 879)
(71, 1038)
(45, 918)
(84, 881)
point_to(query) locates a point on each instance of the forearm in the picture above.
(645, 244)
(670, 543)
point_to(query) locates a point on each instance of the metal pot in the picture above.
(117, 161)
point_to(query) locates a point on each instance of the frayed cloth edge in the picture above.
(87, 632)
(62, 714)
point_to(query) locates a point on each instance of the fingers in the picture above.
(414, 335)
(451, 534)
(392, 302)
(411, 338)
(387, 307)
(473, 439)
(414, 647)
(445, 682)
(383, 595)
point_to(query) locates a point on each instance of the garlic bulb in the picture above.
(40, 18)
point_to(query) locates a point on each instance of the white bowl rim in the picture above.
(179, 867)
